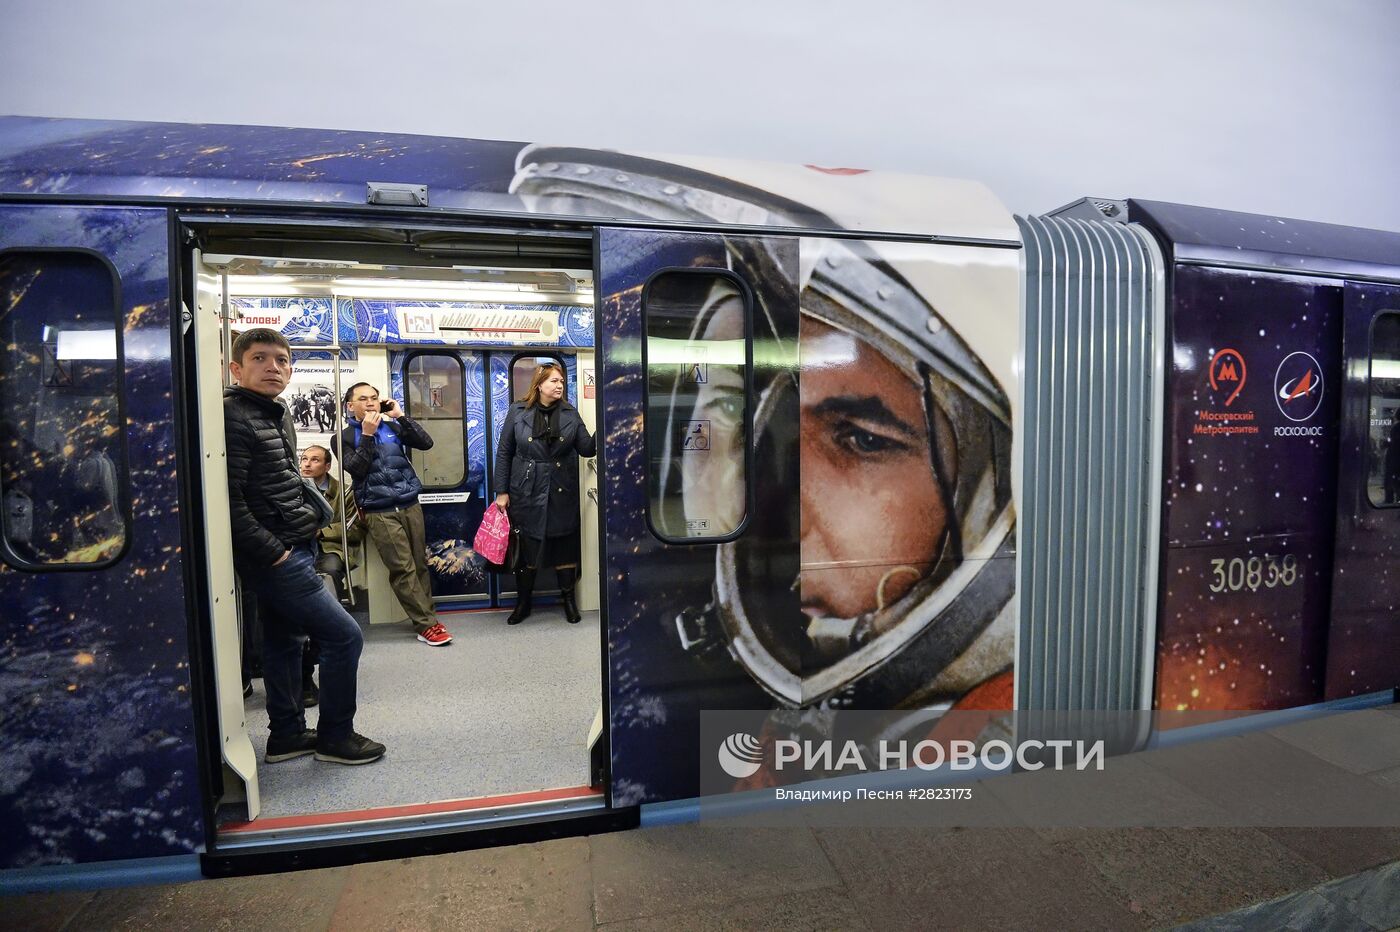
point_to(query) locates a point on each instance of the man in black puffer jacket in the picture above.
(274, 529)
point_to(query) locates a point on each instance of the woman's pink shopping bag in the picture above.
(493, 537)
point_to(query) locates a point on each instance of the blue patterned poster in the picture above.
(459, 323)
(300, 320)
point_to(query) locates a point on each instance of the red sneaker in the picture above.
(436, 636)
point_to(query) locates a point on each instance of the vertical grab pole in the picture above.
(225, 329)
(339, 507)
(340, 471)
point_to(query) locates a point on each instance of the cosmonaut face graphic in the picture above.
(904, 444)
(874, 518)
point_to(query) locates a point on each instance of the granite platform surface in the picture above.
(734, 875)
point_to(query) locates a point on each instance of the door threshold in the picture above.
(384, 821)
(490, 825)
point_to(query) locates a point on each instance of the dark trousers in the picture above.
(330, 564)
(252, 643)
(296, 605)
(331, 568)
(310, 656)
(252, 632)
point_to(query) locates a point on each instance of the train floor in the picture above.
(502, 709)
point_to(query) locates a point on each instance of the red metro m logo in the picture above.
(1227, 371)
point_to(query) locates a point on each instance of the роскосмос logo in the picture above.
(1298, 386)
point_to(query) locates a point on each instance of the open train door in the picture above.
(97, 727)
(698, 415)
(1364, 642)
(208, 344)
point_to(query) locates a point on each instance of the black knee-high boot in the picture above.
(524, 587)
(567, 575)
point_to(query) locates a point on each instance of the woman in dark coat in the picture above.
(537, 482)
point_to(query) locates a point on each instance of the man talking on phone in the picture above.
(374, 448)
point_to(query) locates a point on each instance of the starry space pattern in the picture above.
(1363, 652)
(99, 759)
(1239, 496)
(656, 690)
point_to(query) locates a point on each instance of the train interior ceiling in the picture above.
(505, 718)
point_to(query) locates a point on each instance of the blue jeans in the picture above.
(295, 605)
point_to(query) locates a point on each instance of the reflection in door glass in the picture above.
(522, 371)
(433, 384)
(61, 466)
(696, 418)
(1383, 450)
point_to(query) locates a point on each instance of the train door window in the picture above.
(433, 398)
(697, 364)
(522, 372)
(1383, 450)
(62, 462)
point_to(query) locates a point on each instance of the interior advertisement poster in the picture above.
(311, 396)
(460, 323)
(1249, 491)
(301, 320)
(477, 324)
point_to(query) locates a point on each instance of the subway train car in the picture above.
(866, 441)
(1275, 486)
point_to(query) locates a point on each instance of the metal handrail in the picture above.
(338, 506)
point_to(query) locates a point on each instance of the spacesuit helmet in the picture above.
(950, 628)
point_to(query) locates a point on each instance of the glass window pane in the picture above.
(442, 466)
(1383, 460)
(697, 409)
(522, 373)
(433, 384)
(62, 473)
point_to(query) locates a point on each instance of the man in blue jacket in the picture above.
(374, 448)
(274, 548)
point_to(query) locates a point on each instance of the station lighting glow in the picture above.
(662, 351)
(86, 344)
(268, 286)
(1385, 368)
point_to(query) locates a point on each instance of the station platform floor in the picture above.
(738, 875)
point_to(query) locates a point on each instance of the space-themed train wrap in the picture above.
(808, 464)
(807, 439)
(1249, 491)
(1363, 649)
(97, 748)
(331, 167)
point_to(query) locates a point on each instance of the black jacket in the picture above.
(384, 476)
(267, 502)
(543, 491)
